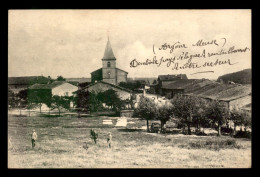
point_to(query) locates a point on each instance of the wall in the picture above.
(109, 79)
(101, 87)
(121, 76)
(238, 103)
(96, 76)
(62, 89)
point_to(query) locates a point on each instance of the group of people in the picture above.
(93, 136)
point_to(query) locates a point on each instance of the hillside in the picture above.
(241, 77)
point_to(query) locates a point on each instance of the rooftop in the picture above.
(108, 55)
(172, 77)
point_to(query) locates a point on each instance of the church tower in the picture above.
(109, 71)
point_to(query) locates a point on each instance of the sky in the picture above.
(71, 43)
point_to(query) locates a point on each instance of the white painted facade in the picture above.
(64, 89)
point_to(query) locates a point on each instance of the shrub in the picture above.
(214, 144)
(243, 134)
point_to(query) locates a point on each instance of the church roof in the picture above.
(108, 55)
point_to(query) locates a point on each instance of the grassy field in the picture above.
(60, 145)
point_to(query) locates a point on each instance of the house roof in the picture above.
(116, 86)
(101, 70)
(121, 70)
(247, 107)
(79, 80)
(96, 70)
(223, 92)
(108, 55)
(27, 80)
(47, 86)
(172, 77)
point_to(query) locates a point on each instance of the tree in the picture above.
(60, 78)
(30, 106)
(236, 116)
(11, 98)
(111, 98)
(21, 100)
(131, 85)
(163, 113)
(186, 108)
(146, 109)
(60, 102)
(247, 120)
(40, 97)
(218, 113)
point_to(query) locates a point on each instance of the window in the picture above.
(108, 64)
(108, 74)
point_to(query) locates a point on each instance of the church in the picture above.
(109, 73)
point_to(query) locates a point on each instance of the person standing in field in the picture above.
(34, 138)
(93, 135)
(109, 140)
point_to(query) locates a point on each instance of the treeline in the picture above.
(190, 112)
(83, 101)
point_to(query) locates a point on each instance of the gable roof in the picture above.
(48, 86)
(108, 55)
(172, 77)
(79, 80)
(27, 80)
(121, 70)
(98, 70)
(222, 92)
(116, 86)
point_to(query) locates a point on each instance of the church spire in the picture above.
(108, 52)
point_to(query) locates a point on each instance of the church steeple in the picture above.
(108, 55)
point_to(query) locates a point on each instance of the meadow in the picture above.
(61, 139)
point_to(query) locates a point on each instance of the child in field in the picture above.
(109, 140)
(34, 138)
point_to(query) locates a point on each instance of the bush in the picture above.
(243, 134)
(214, 144)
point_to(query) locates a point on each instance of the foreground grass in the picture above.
(60, 145)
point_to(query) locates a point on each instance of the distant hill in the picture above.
(241, 77)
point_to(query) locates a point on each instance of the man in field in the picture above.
(109, 140)
(34, 138)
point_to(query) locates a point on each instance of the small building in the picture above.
(17, 84)
(60, 88)
(166, 79)
(101, 86)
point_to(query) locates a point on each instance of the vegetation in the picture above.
(60, 102)
(131, 85)
(241, 77)
(146, 109)
(188, 110)
(60, 78)
(60, 145)
(217, 112)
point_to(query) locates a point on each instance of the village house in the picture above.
(17, 84)
(109, 72)
(60, 88)
(159, 87)
(80, 82)
(234, 96)
(101, 86)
